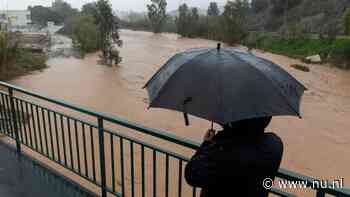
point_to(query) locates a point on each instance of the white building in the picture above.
(16, 19)
(3, 23)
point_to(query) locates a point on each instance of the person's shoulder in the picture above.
(273, 139)
(272, 135)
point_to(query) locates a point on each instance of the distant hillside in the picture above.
(313, 16)
(271, 15)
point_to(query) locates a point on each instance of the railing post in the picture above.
(102, 156)
(320, 193)
(14, 119)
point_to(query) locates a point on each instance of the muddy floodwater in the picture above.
(317, 145)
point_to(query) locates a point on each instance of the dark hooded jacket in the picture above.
(236, 161)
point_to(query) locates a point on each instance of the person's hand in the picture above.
(209, 135)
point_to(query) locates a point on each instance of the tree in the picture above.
(157, 14)
(187, 22)
(282, 6)
(193, 22)
(259, 5)
(108, 27)
(213, 9)
(212, 22)
(330, 26)
(63, 9)
(40, 15)
(8, 50)
(346, 21)
(85, 33)
(182, 20)
(90, 9)
(234, 19)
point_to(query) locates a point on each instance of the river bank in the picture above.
(312, 144)
(16, 58)
(334, 51)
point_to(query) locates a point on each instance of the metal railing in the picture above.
(119, 164)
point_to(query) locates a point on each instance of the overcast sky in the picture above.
(123, 5)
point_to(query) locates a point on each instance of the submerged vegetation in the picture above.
(85, 34)
(15, 61)
(94, 28)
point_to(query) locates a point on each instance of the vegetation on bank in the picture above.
(298, 29)
(335, 51)
(85, 33)
(15, 61)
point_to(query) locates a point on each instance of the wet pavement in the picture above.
(22, 177)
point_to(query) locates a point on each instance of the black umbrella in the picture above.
(224, 85)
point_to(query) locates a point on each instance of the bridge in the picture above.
(87, 153)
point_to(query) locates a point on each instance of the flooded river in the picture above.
(317, 145)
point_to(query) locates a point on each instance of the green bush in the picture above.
(29, 61)
(85, 34)
(346, 21)
(340, 52)
(15, 61)
(337, 52)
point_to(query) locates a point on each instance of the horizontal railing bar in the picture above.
(147, 145)
(3, 92)
(281, 193)
(118, 194)
(59, 113)
(154, 132)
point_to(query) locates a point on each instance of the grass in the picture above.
(336, 52)
(24, 63)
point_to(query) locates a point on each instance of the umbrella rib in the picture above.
(219, 96)
(271, 81)
(187, 62)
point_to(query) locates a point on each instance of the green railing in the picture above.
(118, 164)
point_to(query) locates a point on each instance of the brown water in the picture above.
(317, 145)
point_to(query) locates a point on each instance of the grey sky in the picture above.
(124, 5)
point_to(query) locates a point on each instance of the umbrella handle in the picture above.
(187, 122)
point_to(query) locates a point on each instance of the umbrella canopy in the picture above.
(224, 85)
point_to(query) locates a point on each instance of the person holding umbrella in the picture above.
(239, 158)
(240, 92)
